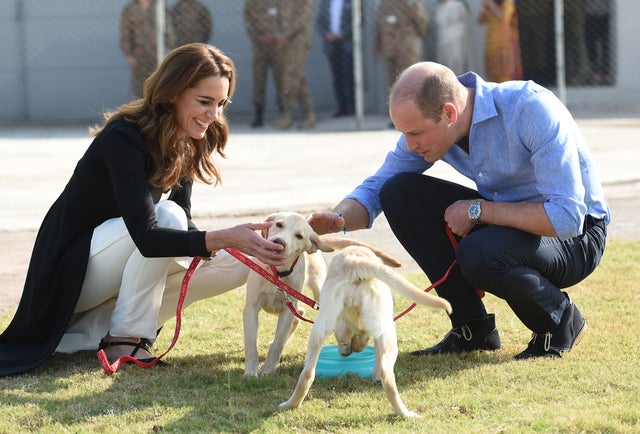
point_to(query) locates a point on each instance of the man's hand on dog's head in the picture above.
(325, 222)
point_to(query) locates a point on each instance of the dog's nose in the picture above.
(344, 349)
(280, 241)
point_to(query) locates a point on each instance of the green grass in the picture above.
(595, 388)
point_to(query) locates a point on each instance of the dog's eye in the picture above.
(279, 225)
(299, 236)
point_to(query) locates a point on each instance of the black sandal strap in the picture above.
(137, 345)
(144, 344)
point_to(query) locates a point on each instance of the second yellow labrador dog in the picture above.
(302, 268)
(356, 303)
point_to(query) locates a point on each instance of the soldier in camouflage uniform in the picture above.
(138, 41)
(297, 34)
(263, 21)
(400, 27)
(192, 22)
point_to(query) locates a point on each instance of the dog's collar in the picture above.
(281, 274)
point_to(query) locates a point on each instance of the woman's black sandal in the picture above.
(143, 344)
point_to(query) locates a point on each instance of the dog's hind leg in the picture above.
(316, 339)
(386, 359)
(325, 322)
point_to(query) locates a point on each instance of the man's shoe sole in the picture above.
(581, 333)
(427, 352)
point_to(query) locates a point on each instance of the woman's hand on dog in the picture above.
(246, 238)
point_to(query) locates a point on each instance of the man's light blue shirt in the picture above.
(524, 146)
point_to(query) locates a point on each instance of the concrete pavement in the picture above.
(266, 169)
(269, 170)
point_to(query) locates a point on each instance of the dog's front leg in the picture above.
(283, 331)
(250, 322)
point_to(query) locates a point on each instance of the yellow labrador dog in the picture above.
(302, 268)
(356, 303)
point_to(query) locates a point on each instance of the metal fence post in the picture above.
(160, 30)
(561, 77)
(357, 63)
(22, 50)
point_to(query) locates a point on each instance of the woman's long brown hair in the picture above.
(175, 159)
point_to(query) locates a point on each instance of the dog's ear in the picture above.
(317, 244)
(340, 243)
(269, 218)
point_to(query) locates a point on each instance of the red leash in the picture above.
(288, 290)
(454, 243)
(273, 278)
(112, 368)
(433, 285)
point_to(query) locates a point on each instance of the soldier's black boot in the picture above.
(478, 334)
(258, 120)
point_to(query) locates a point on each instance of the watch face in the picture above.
(474, 211)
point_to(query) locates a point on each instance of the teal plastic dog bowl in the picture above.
(332, 364)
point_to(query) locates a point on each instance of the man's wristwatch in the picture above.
(474, 211)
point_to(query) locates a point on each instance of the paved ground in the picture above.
(269, 170)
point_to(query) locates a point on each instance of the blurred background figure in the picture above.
(138, 41)
(400, 27)
(502, 59)
(263, 21)
(597, 37)
(537, 40)
(296, 34)
(452, 35)
(574, 39)
(192, 22)
(335, 24)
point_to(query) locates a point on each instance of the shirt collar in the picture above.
(484, 106)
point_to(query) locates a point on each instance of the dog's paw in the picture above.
(284, 405)
(410, 413)
(251, 373)
(265, 372)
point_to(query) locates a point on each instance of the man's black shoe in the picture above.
(479, 334)
(559, 340)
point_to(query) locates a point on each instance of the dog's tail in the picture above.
(339, 243)
(372, 268)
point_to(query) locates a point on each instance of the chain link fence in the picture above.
(69, 60)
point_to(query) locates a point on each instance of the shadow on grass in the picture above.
(202, 390)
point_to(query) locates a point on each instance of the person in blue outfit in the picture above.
(536, 223)
(335, 25)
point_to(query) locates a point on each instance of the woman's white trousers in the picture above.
(129, 295)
